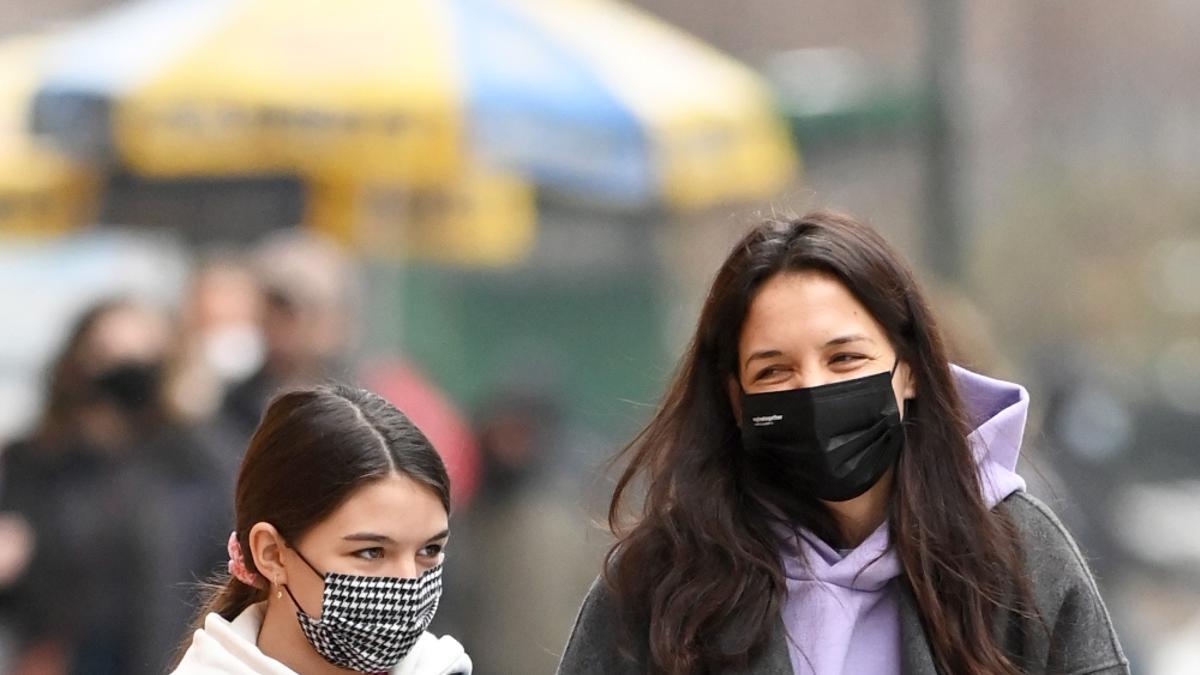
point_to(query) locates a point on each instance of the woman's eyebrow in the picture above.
(440, 535)
(762, 354)
(847, 339)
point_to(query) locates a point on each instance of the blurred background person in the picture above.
(308, 324)
(121, 501)
(297, 316)
(524, 542)
(16, 548)
(221, 335)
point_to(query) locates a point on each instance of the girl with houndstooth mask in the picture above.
(335, 564)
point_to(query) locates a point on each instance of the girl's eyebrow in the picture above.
(369, 536)
(384, 539)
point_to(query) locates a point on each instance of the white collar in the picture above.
(232, 647)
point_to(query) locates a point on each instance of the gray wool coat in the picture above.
(1081, 639)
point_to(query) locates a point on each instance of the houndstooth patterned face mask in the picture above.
(368, 623)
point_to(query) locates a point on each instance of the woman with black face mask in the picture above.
(335, 560)
(119, 497)
(825, 493)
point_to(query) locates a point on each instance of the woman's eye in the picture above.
(374, 553)
(846, 358)
(767, 372)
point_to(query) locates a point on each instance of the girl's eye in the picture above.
(846, 358)
(433, 550)
(374, 553)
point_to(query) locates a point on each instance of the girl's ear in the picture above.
(267, 547)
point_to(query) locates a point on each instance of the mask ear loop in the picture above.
(906, 411)
(294, 601)
(310, 566)
(905, 418)
(305, 560)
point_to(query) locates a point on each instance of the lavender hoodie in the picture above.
(841, 612)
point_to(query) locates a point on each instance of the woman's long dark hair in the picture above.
(67, 385)
(699, 572)
(313, 448)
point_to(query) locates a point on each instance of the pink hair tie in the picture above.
(237, 563)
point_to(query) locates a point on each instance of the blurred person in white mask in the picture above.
(221, 335)
(309, 293)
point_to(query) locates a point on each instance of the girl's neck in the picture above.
(280, 638)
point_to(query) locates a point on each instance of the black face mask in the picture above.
(833, 441)
(133, 385)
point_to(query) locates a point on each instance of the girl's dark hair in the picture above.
(313, 449)
(699, 572)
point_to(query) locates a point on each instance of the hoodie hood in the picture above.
(839, 611)
(996, 411)
(231, 647)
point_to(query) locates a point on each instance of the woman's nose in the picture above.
(812, 377)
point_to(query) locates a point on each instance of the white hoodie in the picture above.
(224, 647)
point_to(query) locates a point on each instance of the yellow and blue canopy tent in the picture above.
(590, 101)
(41, 190)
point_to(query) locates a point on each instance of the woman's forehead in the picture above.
(810, 306)
(133, 331)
